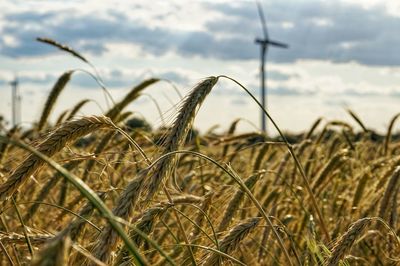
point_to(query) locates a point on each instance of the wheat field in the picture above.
(109, 190)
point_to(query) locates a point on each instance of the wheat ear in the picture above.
(76, 109)
(334, 163)
(55, 253)
(178, 133)
(52, 98)
(62, 47)
(108, 239)
(346, 241)
(231, 241)
(55, 141)
(61, 118)
(260, 157)
(390, 189)
(132, 95)
(144, 224)
(235, 202)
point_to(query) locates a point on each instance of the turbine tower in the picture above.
(15, 102)
(264, 44)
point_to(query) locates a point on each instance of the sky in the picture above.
(342, 54)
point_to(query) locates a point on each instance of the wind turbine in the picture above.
(264, 44)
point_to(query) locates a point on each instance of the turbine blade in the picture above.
(262, 19)
(278, 44)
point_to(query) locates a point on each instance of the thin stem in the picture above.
(194, 223)
(98, 80)
(6, 252)
(28, 241)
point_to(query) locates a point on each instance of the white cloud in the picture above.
(322, 22)
(392, 7)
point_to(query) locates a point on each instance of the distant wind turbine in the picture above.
(264, 44)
